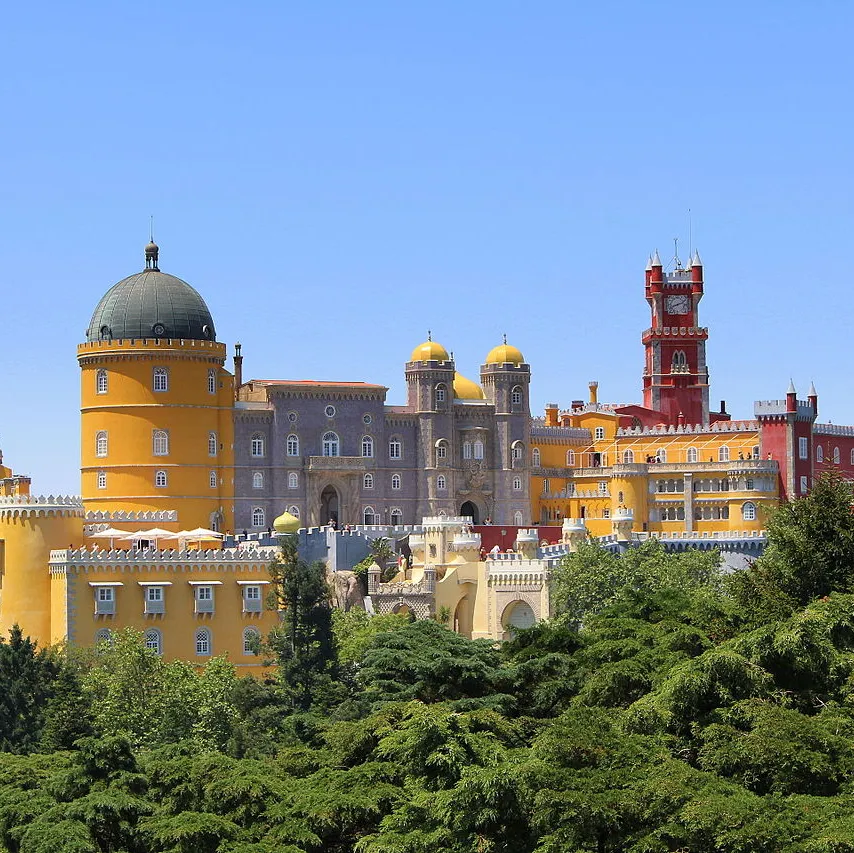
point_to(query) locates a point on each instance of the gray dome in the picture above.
(151, 304)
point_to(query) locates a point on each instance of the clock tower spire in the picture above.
(675, 377)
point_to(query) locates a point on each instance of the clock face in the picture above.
(678, 304)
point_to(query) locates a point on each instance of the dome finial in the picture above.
(152, 250)
(429, 335)
(505, 339)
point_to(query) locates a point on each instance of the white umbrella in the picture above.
(112, 533)
(204, 533)
(154, 534)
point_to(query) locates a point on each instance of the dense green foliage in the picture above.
(694, 713)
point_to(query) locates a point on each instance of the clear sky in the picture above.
(336, 178)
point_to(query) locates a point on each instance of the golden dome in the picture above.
(465, 389)
(429, 351)
(286, 524)
(505, 354)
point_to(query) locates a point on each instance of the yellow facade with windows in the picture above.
(709, 479)
(181, 428)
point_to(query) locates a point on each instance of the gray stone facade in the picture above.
(438, 455)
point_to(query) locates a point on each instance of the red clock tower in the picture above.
(675, 377)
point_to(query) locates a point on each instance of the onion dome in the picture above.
(151, 304)
(429, 351)
(465, 389)
(505, 354)
(286, 524)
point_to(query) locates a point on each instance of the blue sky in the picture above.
(336, 178)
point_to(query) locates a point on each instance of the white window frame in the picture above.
(367, 447)
(160, 442)
(160, 379)
(395, 481)
(292, 445)
(466, 450)
(477, 448)
(369, 516)
(819, 453)
(259, 516)
(535, 457)
(805, 484)
(293, 480)
(599, 433)
(368, 481)
(211, 381)
(203, 642)
(396, 516)
(516, 396)
(517, 484)
(836, 456)
(257, 479)
(723, 453)
(440, 393)
(250, 637)
(804, 448)
(101, 381)
(570, 458)
(691, 455)
(517, 518)
(213, 444)
(102, 444)
(213, 480)
(294, 511)
(102, 479)
(331, 444)
(441, 483)
(748, 511)
(441, 449)
(395, 448)
(628, 457)
(257, 446)
(153, 640)
(161, 479)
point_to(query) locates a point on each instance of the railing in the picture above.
(338, 463)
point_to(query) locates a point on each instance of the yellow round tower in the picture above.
(156, 403)
(30, 527)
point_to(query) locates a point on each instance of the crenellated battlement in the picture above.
(184, 560)
(691, 429)
(833, 429)
(41, 506)
(104, 517)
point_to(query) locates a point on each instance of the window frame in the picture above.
(161, 479)
(102, 444)
(258, 446)
(257, 479)
(292, 445)
(258, 512)
(395, 448)
(395, 481)
(331, 444)
(160, 380)
(102, 385)
(160, 442)
(293, 480)
(213, 444)
(368, 481)
(102, 479)
(441, 483)
(211, 381)
(367, 447)
(203, 641)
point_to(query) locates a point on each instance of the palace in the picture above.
(179, 451)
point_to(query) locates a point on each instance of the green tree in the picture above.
(304, 644)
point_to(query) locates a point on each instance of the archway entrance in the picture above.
(470, 509)
(519, 614)
(328, 505)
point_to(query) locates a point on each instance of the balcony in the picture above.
(105, 608)
(204, 605)
(339, 463)
(155, 607)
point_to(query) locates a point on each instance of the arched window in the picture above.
(570, 458)
(396, 516)
(836, 456)
(395, 449)
(440, 393)
(102, 479)
(368, 481)
(395, 481)
(723, 454)
(101, 443)
(101, 381)
(517, 484)
(105, 635)
(466, 450)
(441, 482)
(661, 455)
(516, 396)
(160, 479)
(547, 487)
(679, 361)
(211, 381)
(251, 641)
(213, 444)
(294, 511)
(293, 480)
(478, 449)
(160, 442)
(367, 446)
(518, 450)
(330, 444)
(153, 640)
(258, 480)
(213, 479)
(203, 642)
(535, 457)
(293, 445)
(691, 455)
(441, 449)
(258, 516)
(819, 453)
(256, 445)
(369, 515)
(517, 518)
(161, 379)
(628, 457)
(748, 511)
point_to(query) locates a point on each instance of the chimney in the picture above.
(723, 407)
(594, 392)
(551, 414)
(238, 368)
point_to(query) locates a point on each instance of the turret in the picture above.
(791, 398)
(551, 415)
(812, 398)
(696, 267)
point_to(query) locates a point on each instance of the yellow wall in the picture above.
(131, 410)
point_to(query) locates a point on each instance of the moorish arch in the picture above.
(518, 614)
(329, 505)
